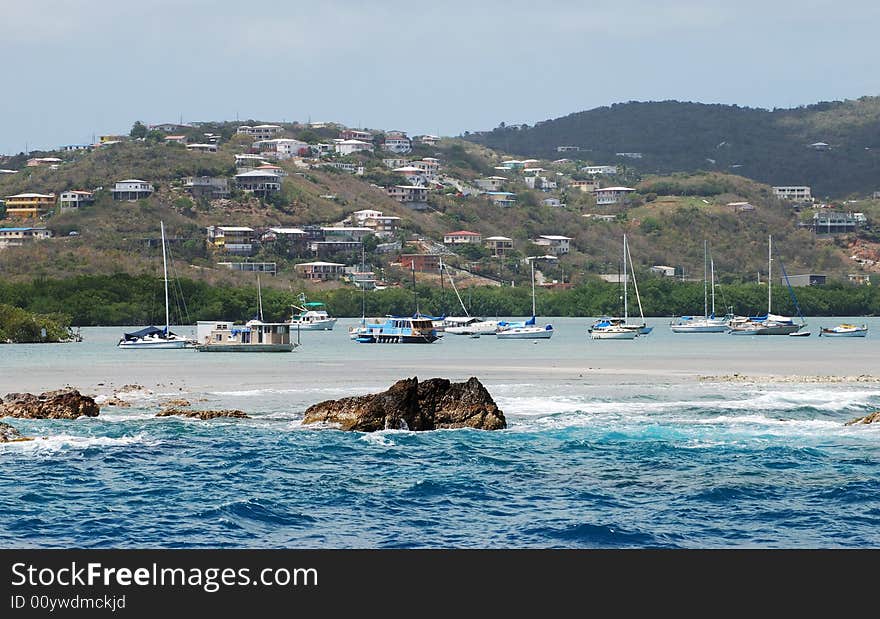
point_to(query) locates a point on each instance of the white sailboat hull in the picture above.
(699, 328)
(526, 333)
(155, 343)
(615, 334)
(477, 328)
(314, 325)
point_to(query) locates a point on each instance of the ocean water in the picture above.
(609, 445)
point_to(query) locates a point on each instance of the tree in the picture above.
(138, 130)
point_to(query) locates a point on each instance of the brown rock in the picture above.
(204, 415)
(177, 403)
(872, 418)
(59, 404)
(8, 434)
(114, 401)
(433, 404)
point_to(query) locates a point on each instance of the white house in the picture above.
(202, 148)
(396, 142)
(552, 202)
(462, 237)
(394, 162)
(599, 169)
(491, 183)
(361, 216)
(347, 147)
(428, 140)
(499, 245)
(261, 132)
(249, 160)
(132, 189)
(501, 198)
(556, 245)
(663, 270)
(75, 199)
(429, 166)
(795, 193)
(16, 237)
(412, 174)
(282, 148)
(231, 239)
(612, 195)
(382, 225)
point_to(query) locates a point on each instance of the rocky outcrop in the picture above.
(434, 404)
(204, 415)
(8, 434)
(176, 403)
(60, 404)
(872, 418)
(115, 401)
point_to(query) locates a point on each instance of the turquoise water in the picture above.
(610, 445)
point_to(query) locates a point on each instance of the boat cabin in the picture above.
(254, 332)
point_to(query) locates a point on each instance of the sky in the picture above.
(72, 69)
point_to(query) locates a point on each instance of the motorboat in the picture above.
(844, 330)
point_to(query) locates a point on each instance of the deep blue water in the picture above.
(584, 464)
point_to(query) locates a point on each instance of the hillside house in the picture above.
(501, 198)
(356, 134)
(261, 182)
(555, 245)
(282, 148)
(567, 149)
(807, 279)
(74, 199)
(202, 147)
(423, 263)
(249, 161)
(793, 193)
(132, 189)
(16, 237)
(662, 270)
(415, 196)
(397, 142)
(427, 140)
(412, 174)
(429, 166)
(345, 233)
(334, 246)
(208, 187)
(491, 183)
(321, 271)
(612, 195)
(175, 139)
(585, 186)
(360, 216)
(555, 202)
(394, 162)
(29, 205)
(741, 206)
(462, 237)
(237, 240)
(260, 132)
(347, 147)
(383, 225)
(599, 169)
(836, 222)
(498, 245)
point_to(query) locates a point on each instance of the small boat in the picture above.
(312, 316)
(609, 331)
(396, 330)
(844, 330)
(470, 325)
(800, 334)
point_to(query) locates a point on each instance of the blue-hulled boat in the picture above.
(396, 330)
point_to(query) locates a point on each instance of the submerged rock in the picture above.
(434, 404)
(872, 418)
(59, 404)
(177, 403)
(8, 434)
(204, 415)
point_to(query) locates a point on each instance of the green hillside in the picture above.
(770, 146)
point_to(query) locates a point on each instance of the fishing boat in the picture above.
(153, 337)
(770, 323)
(312, 316)
(609, 328)
(844, 330)
(528, 329)
(255, 335)
(708, 323)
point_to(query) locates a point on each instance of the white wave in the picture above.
(380, 438)
(61, 442)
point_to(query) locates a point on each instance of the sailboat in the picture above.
(770, 324)
(708, 323)
(473, 326)
(527, 330)
(607, 328)
(154, 337)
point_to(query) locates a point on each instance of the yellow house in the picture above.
(25, 205)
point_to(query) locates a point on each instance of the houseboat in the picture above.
(254, 336)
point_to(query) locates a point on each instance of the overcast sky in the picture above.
(74, 68)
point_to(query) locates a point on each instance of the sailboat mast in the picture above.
(532, 262)
(712, 267)
(705, 274)
(625, 304)
(165, 276)
(769, 273)
(632, 268)
(260, 297)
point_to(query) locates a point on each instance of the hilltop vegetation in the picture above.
(770, 146)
